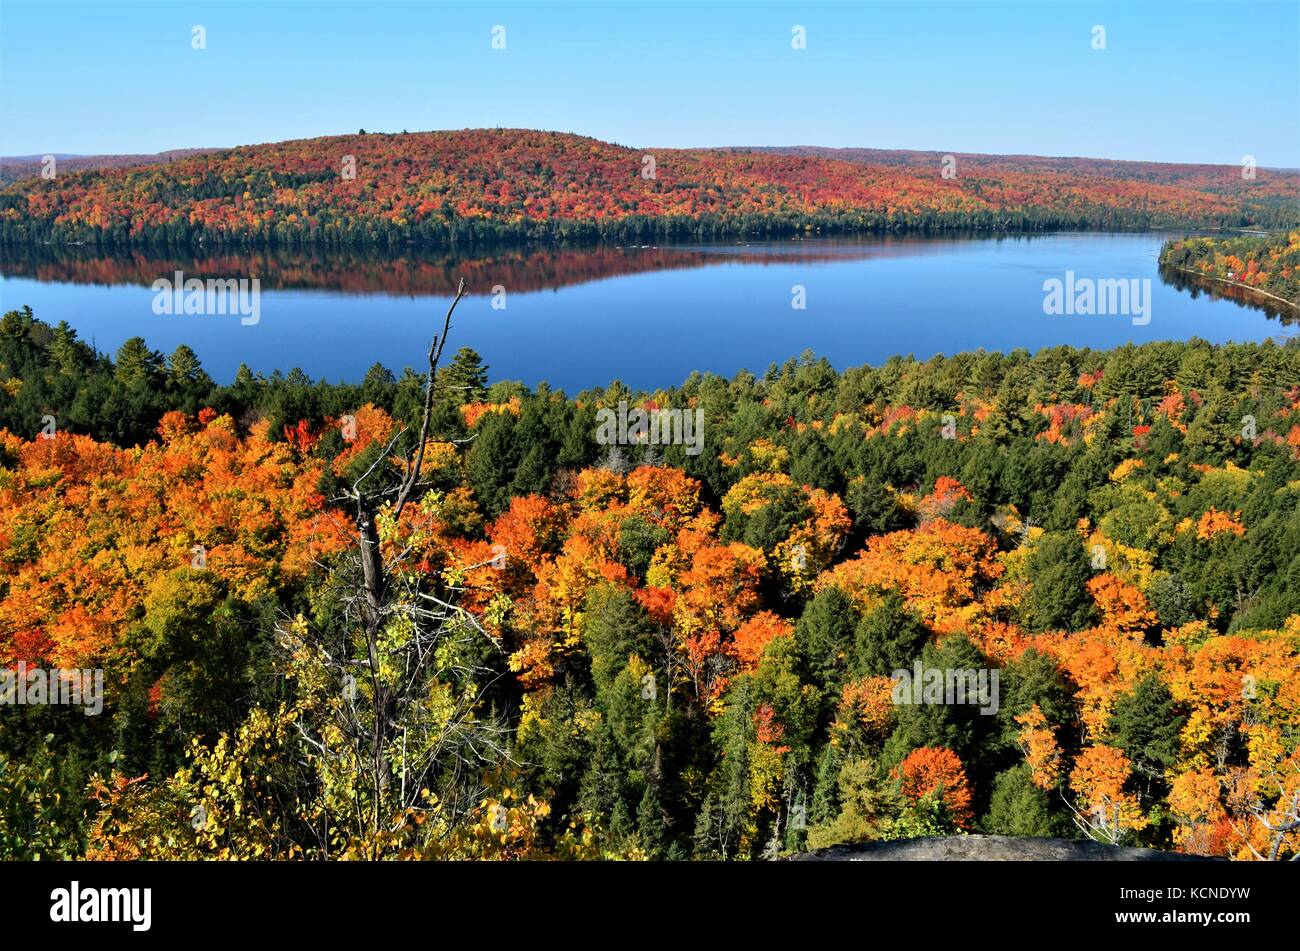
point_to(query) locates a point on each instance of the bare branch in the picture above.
(435, 354)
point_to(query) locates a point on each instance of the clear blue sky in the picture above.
(1196, 81)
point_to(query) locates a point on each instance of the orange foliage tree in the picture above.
(931, 770)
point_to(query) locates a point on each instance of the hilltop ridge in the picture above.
(382, 188)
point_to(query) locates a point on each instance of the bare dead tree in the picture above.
(374, 574)
(402, 635)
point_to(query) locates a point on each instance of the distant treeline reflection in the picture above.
(1196, 285)
(433, 271)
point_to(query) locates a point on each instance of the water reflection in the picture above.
(1196, 285)
(580, 316)
(432, 271)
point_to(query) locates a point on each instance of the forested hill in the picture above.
(15, 167)
(512, 183)
(1218, 179)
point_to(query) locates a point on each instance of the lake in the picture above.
(583, 316)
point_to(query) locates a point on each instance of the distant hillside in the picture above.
(513, 183)
(1219, 179)
(16, 167)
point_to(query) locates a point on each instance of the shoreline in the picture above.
(1294, 305)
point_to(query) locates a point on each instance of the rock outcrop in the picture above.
(989, 848)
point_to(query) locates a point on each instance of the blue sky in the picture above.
(1195, 82)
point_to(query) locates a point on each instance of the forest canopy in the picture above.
(654, 653)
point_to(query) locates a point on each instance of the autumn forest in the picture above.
(493, 184)
(748, 436)
(635, 651)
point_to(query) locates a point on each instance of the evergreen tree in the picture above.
(650, 821)
(825, 634)
(465, 378)
(1059, 570)
(825, 801)
(66, 353)
(1018, 807)
(136, 366)
(184, 372)
(888, 638)
(378, 386)
(1146, 725)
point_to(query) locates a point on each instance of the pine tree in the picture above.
(67, 354)
(650, 819)
(887, 639)
(1146, 726)
(378, 385)
(184, 370)
(825, 801)
(1018, 807)
(1059, 570)
(616, 461)
(796, 828)
(465, 378)
(824, 634)
(136, 366)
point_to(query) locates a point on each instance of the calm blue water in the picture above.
(645, 316)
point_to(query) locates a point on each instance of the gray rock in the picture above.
(989, 848)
